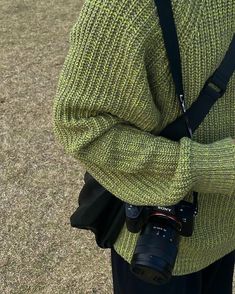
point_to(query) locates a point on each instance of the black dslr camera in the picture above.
(160, 228)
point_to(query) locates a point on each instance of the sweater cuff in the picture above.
(213, 166)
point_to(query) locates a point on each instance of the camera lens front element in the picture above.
(155, 252)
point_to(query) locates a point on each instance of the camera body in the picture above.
(160, 229)
(180, 216)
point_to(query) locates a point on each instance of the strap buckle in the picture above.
(215, 85)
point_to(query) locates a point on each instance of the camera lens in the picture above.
(155, 253)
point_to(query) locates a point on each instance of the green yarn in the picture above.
(115, 94)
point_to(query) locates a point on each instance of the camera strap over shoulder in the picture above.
(213, 89)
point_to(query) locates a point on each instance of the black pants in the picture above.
(217, 278)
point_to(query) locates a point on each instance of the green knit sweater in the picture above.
(115, 94)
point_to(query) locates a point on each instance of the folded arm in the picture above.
(104, 113)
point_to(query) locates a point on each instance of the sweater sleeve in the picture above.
(103, 115)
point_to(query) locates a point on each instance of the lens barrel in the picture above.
(155, 252)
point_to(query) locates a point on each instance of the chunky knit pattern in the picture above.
(114, 96)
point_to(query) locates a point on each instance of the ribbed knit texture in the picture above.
(114, 96)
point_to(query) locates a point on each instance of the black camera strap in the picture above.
(166, 19)
(213, 89)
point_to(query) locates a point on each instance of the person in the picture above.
(115, 94)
